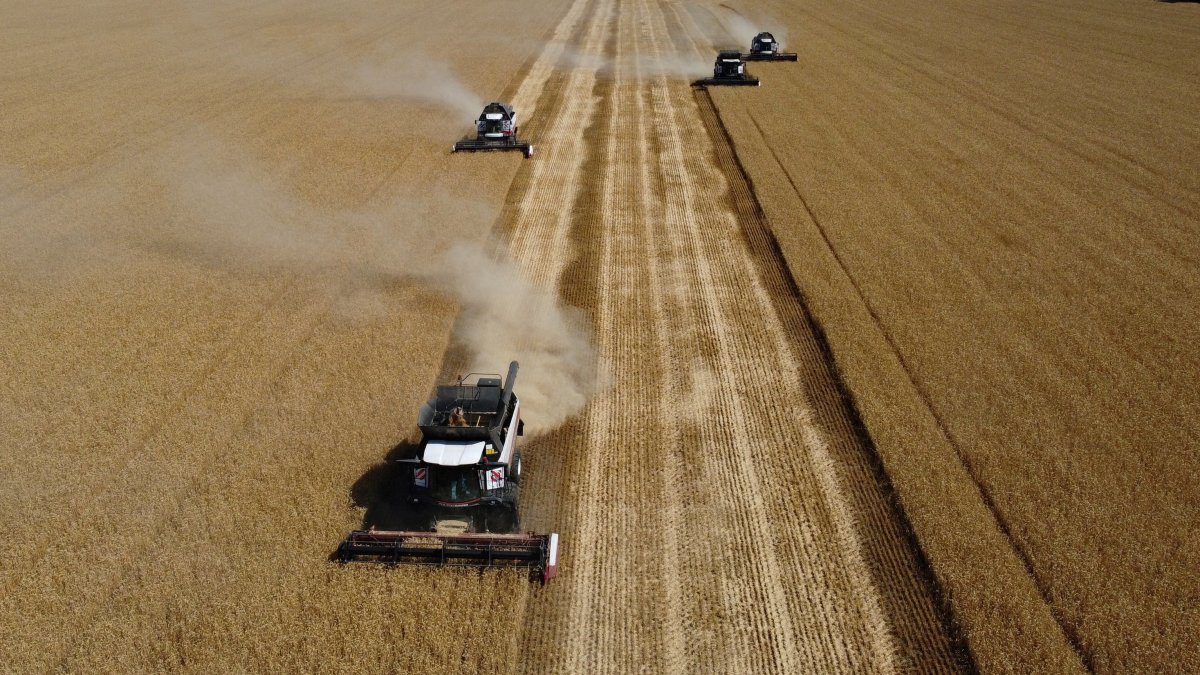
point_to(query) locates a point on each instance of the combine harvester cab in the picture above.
(465, 477)
(729, 71)
(764, 47)
(496, 129)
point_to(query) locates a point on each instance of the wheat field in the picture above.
(992, 212)
(883, 366)
(205, 353)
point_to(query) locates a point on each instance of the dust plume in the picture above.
(504, 317)
(230, 214)
(387, 70)
(43, 244)
(677, 65)
(741, 25)
(433, 82)
(235, 215)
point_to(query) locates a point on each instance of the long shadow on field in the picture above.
(383, 491)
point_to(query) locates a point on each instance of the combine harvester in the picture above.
(729, 70)
(764, 47)
(496, 129)
(463, 482)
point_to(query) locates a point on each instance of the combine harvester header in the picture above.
(462, 485)
(537, 551)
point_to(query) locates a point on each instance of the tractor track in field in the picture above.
(719, 507)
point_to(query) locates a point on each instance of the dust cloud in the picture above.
(236, 215)
(433, 83)
(503, 317)
(739, 27)
(44, 245)
(677, 65)
(742, 25)
(385, 71)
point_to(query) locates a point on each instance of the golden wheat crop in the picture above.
(203, 351)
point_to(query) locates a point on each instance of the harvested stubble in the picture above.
(992, 210)
(719, 513)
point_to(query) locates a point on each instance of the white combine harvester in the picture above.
(463, 484)
(496, 129)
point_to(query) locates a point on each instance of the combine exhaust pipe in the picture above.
(539, 552)
(506, 397)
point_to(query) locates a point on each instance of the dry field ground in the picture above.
(224, 235)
